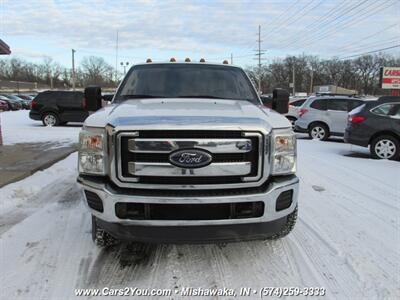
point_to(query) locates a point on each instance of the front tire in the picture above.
(50, 119)
(318, 131)
(100, 237)
(290, 223)
(385, 147)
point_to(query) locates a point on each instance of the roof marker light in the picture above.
(225, 62)
(149, 60)
(187, 59)
(202, 60)
(172, 59)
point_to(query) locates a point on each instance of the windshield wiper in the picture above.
(140, 96)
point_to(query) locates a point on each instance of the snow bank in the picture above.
(15, 195)
(17, 127)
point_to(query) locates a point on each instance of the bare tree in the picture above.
(97, 70)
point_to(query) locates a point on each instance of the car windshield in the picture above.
(186, 81)
(12, 97)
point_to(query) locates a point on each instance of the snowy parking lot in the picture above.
(347, 238)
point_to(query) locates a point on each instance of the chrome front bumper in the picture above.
(110, 197)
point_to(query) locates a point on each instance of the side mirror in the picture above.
(280, 101)
(93, 98)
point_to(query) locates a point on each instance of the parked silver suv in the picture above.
(325, 116)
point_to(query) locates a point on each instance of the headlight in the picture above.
(283, 152)
(92, 147)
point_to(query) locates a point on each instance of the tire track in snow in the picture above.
(362, 261)
(350, 190)
(377, 188)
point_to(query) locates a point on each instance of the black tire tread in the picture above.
(291, 222)
(101, 237)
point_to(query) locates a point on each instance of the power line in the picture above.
(348, 23)
(362, 46)
(288, 17)
(372, 35)
(302, 15)
(317, 25)
(345, 25)
(324, 26)
(284, 13)
(279, 19)
(332, 10)
(369, 52)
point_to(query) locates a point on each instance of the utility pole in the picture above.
(73, 69)
(116, 60)
(231, 58)
(259, 55)
(294, 83)
(311, 81)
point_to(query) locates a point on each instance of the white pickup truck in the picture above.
(186, 152)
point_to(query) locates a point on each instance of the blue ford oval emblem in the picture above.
(190, 158)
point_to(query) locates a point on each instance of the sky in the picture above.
(210, 29)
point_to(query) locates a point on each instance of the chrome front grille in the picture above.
(142, 159)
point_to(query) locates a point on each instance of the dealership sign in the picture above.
(391, 78)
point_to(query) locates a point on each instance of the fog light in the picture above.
(284, 200)
(133, 211)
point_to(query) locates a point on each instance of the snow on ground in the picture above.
(16, 124)
(346, 239)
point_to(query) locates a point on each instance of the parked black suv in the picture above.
(376, 124)
(58, 107)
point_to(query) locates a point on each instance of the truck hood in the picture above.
(188, 113)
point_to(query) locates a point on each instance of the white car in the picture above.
(294, 108)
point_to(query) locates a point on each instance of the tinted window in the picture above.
(338, 104)
(320, 104)
(69, 99)
(44, 96)
(298, 102)
(354, 103)
(383, 109)
(395, 110)
(186, 80)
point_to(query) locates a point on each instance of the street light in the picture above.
(124, 65)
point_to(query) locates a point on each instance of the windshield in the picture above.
(12, 97)
(186, 81)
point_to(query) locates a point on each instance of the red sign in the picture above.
(391, 78)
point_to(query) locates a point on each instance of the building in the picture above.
(4, 48)
(333, 89)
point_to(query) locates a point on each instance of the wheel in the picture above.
(100, 237)
(50, 119)
(292, 120)
(385, 147)
(290, 223)
(318, 131)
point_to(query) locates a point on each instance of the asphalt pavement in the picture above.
(19, 161)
